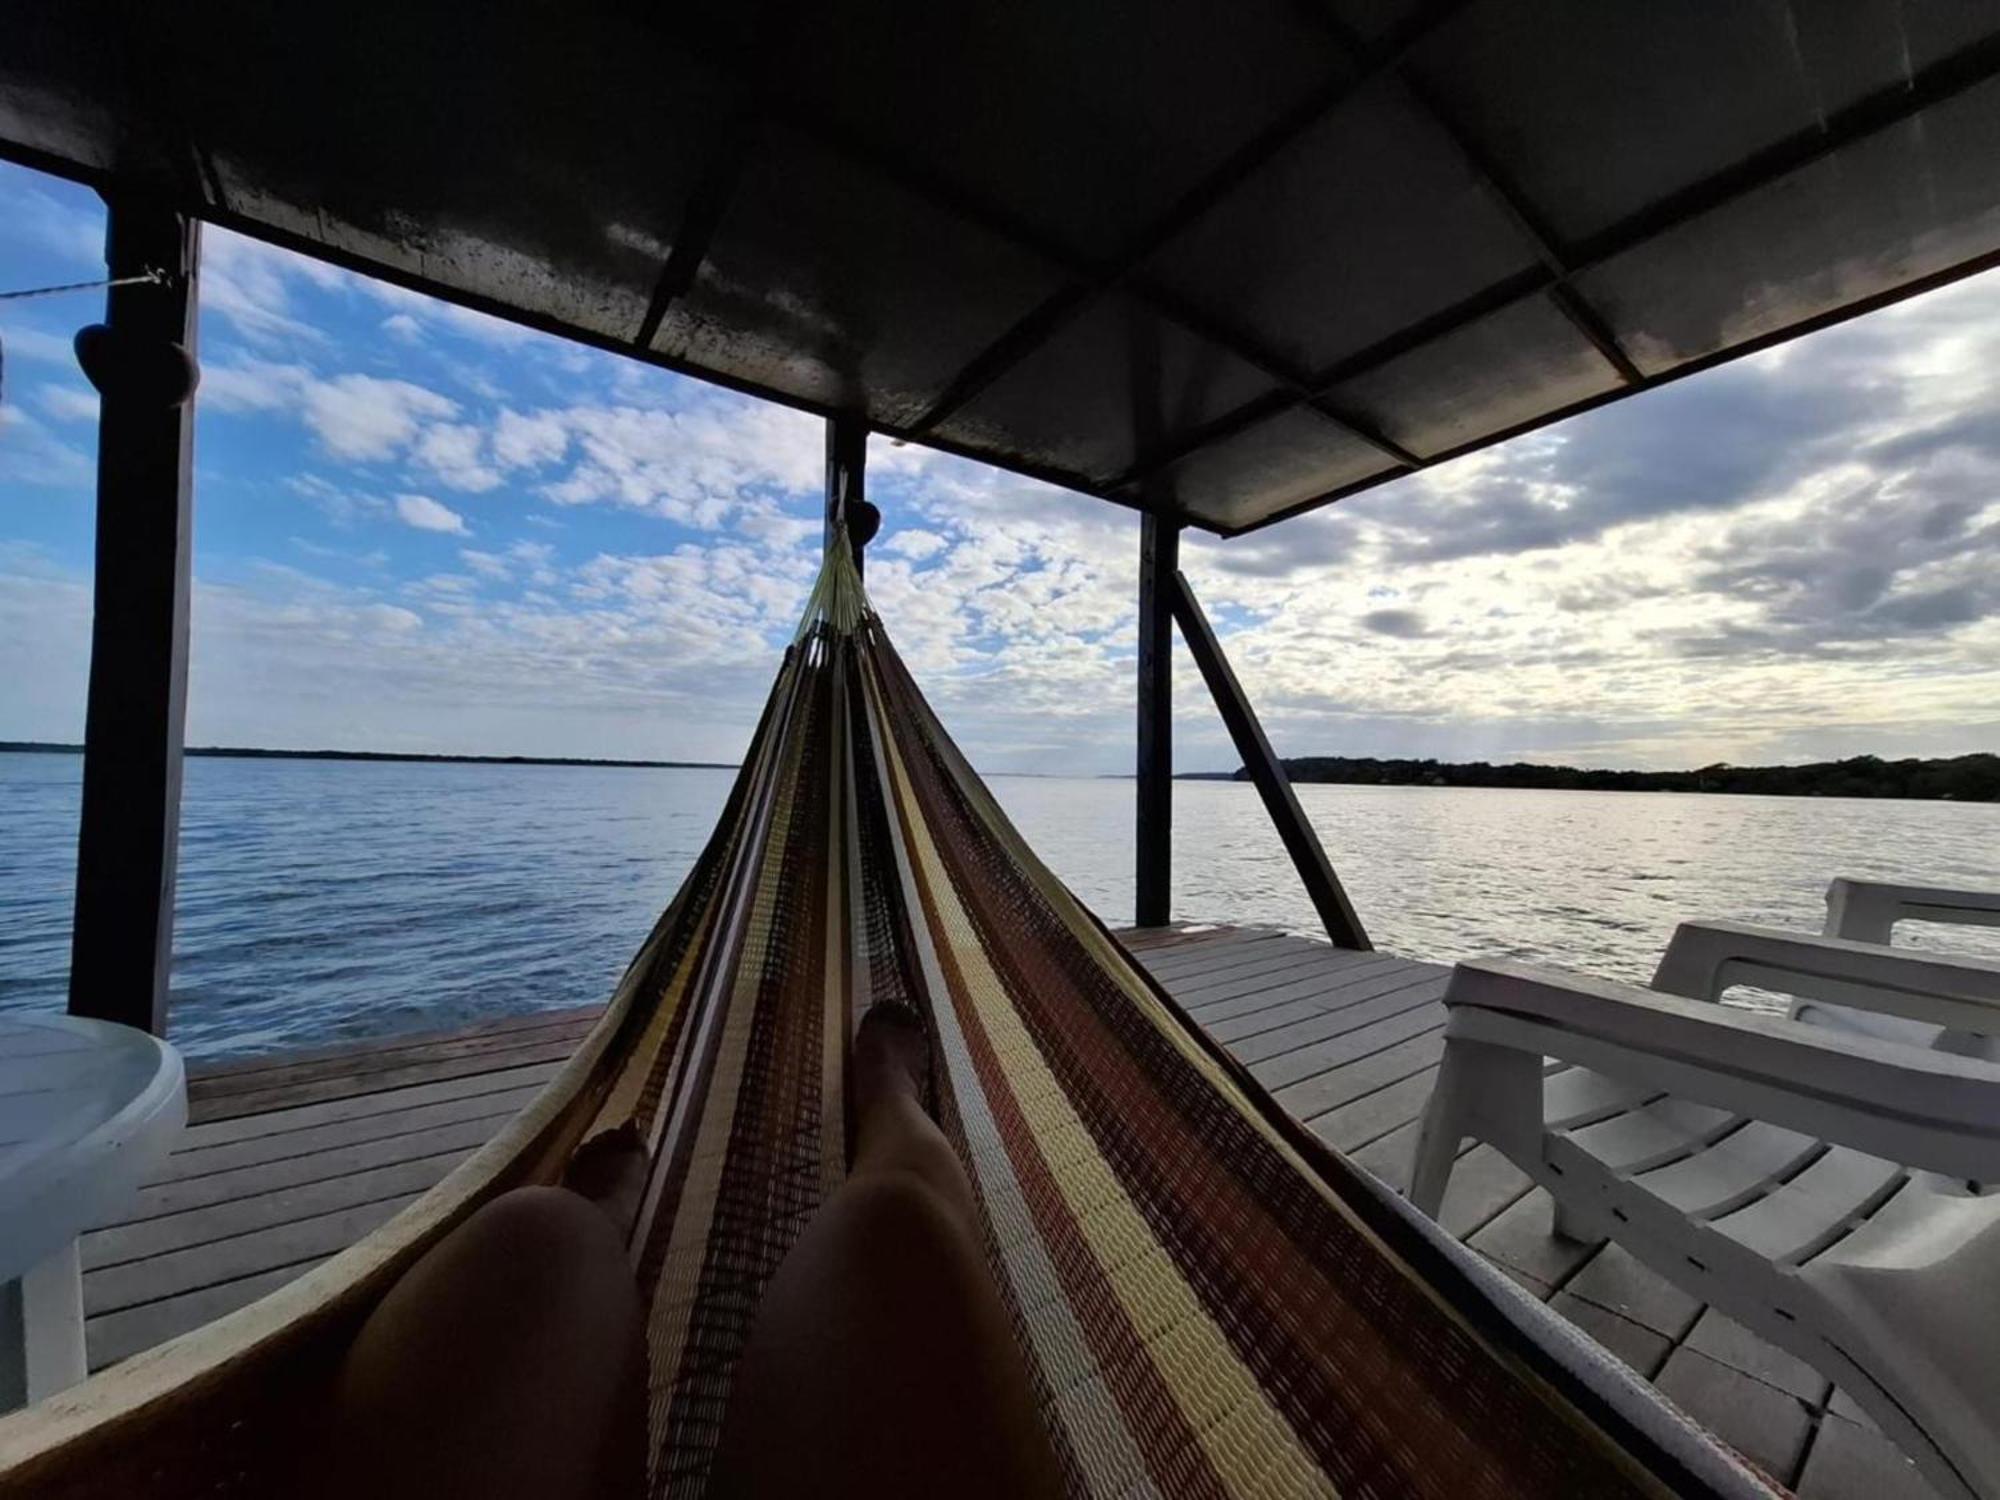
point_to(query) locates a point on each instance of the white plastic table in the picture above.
(87, 1110)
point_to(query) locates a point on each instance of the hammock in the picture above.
(1210, 1302)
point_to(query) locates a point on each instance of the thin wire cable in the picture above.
(154, 277)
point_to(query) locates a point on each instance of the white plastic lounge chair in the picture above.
(1867, 911)
(1808, 1181)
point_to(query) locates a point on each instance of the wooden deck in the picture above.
(288, 1160)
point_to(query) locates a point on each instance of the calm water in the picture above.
(320, 900)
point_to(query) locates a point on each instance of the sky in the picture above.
(419, 528)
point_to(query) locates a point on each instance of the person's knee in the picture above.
(545, 1225)
(512, 1353)
(546, 1256)
(552, 1245)
(900, 1215)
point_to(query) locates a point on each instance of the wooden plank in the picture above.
(1322, 1025)
(161, 1236)
(1259, 984)
(1218, 939)
(1764, 1424)
(1288, 968)
(1278, 989)
(270, 1176)
(203, 1072)
(110, 1337)
(1322, 1055)
(215, 1092)
(1180, 935)
(1350, 1126)
(262, 1101)
(1197, 959)
(1254, 1033)
(258, 1128)
(1188, 972)
(189, 1270)
(1313, 1097)
(1292, 1003)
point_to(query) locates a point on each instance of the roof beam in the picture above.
(1530, 224)
(1057, 312)
(706, 205)
(1506, 194)
(1988, 261)
(1966, 69)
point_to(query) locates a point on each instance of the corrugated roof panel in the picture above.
(1134, 102)
(1369, 223)
(827, 282)
(1599, 111)
(1126, 381)
(1503, 370)
(1912, 201)
(1077, 237)
(1279, 463)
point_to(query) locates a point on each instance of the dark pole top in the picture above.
(864, 519)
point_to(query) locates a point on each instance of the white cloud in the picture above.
(425, 514)
(364, 417)
(343, 507)
(394, 618)
(432, 312)
(30, 454)
(915, 543)
(528, 441)
(489, 565)
(1790, 556)
(248, 283)
(69, 403)
(452, 451)
(251, 385)
(25, 343)
(691, 465)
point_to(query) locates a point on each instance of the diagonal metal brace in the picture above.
(1329, 899)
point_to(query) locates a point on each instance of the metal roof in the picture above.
(1227, 259)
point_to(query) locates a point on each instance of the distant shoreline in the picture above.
(1963, 778)
(233, 752)
(1958, 778)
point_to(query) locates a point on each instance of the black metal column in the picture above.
(141, 361)
(1159, 557)
(1329, 899)
(846, 472)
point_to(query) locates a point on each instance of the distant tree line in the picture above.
(1962, 778)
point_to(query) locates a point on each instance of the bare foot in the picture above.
(892, 1057)
(609, 1169)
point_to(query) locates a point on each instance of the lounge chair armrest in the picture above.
(1706, 958)
(1867, 910)
(1918, 1108)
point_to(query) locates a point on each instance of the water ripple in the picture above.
(323, 901)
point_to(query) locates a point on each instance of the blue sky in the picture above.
(421, 528)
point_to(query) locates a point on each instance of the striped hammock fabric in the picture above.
(1211, 1303)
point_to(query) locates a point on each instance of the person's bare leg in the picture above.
(508, 1361)
(882, 1362)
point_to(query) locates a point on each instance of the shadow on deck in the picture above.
(288, 1160)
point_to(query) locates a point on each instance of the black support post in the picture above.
(846, 474)
(1336, 913)
(141, 359)
(1159, 557)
